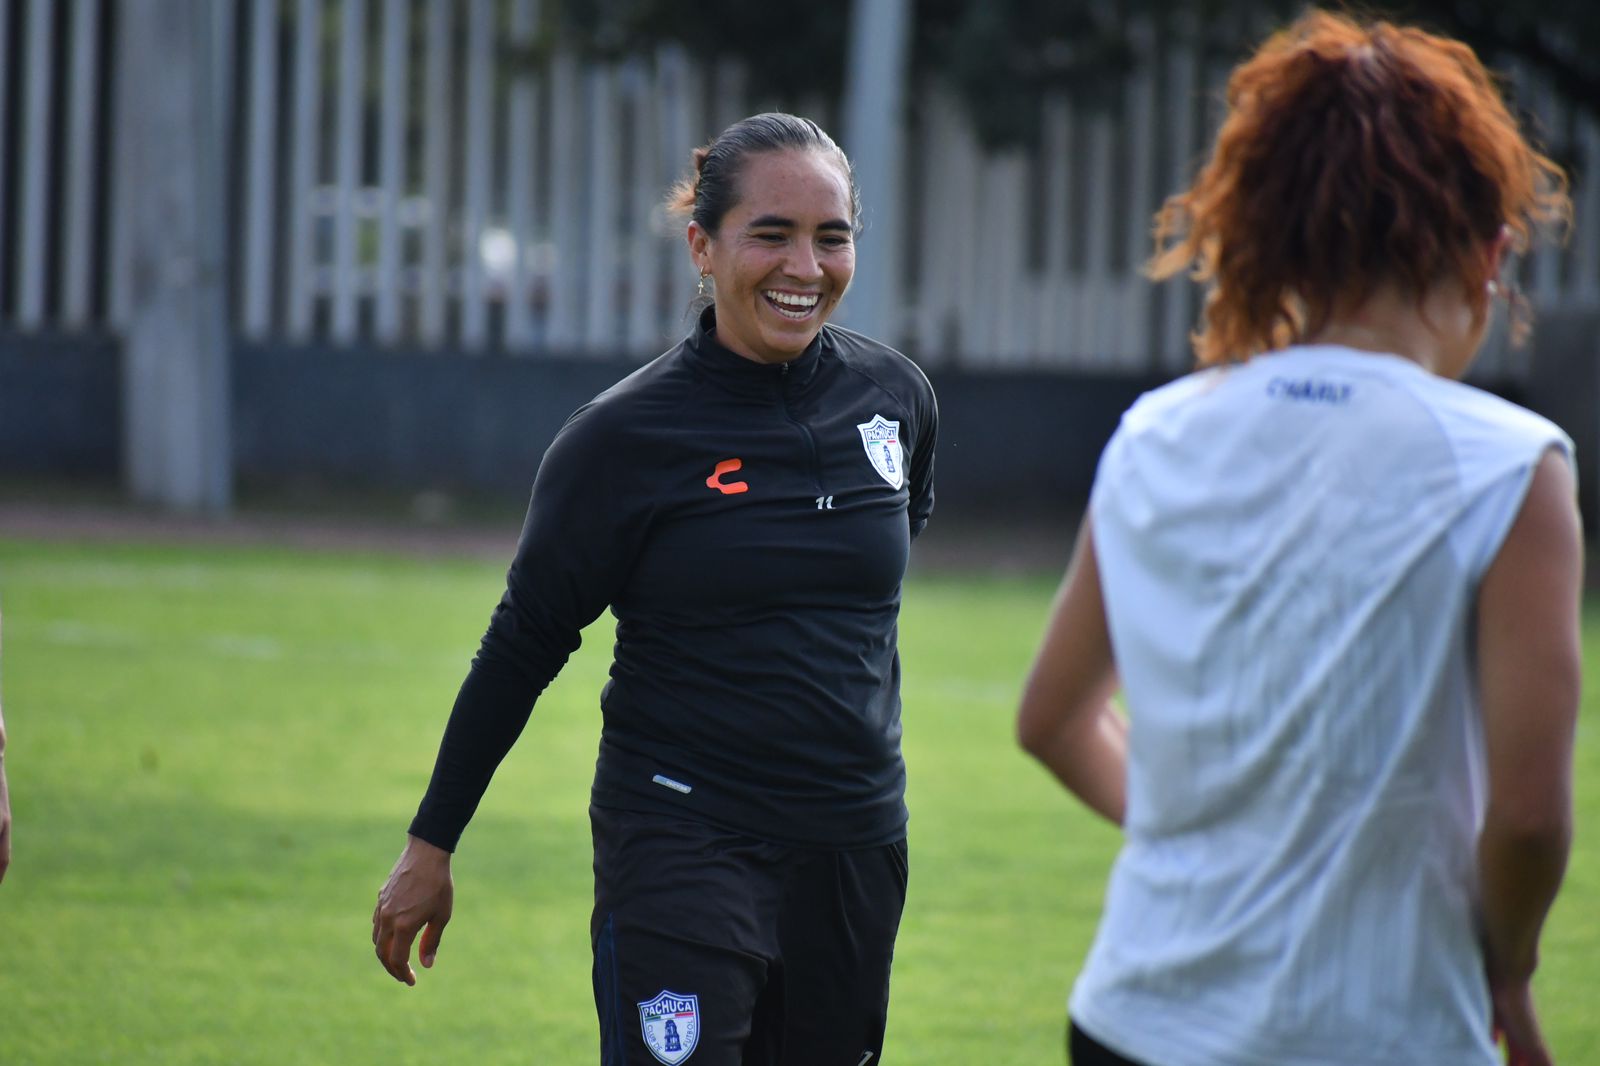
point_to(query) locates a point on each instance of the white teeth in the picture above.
(789, 299)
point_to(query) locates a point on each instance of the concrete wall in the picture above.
(408, 421)
(1012, 444)
(403, 420)
(1563, 384)
(60, 406)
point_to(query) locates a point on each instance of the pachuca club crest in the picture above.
(671, 1025)
(881, 439)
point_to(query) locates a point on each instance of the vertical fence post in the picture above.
(1098, 326)
(604, 137)
(522, 166)
(1586, 239)
(1003, 204)
(475, 197)
(1140, 122)
(437, 138)
(82, 169)
(5, 104)
(305, 154)
(944, 224)
(1005, 199)
(966, 220)
(1177, 307)
(682, 130)
(260, 171)
(728, 95)
(395, 108)
(929, 181)
(33, 248)
(1548, 113)
(644, 260)
(880, 46)
(566, 200)
(1055, 310)
(349, 130)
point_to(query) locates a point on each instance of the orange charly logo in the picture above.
(727, 488)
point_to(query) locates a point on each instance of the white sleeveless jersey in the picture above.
(1290, 551)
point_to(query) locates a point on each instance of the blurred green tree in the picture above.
(1003, 56)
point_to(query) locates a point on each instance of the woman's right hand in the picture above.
(419, 895)
(1516, 1021)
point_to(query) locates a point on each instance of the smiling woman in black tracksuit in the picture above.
(744, 504)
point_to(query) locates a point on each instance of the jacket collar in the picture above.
(736, 372)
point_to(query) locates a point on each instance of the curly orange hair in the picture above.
(1352, 156)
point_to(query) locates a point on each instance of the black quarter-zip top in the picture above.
(749, 526)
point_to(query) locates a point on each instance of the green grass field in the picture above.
(215, 751)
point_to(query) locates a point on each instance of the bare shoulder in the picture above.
(1547, 527)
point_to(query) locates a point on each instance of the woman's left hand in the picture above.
(419, 896)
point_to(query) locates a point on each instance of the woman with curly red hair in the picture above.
(1339, 589)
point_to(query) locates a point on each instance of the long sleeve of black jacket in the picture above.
(584, 519)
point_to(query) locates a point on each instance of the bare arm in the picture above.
(1529, 665)
(1066, 720)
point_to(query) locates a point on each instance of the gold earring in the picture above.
(701, 291)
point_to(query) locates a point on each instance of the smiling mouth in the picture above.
(792, 305)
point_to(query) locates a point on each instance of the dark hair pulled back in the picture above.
(707, 195)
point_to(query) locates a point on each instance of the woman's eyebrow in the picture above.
(779, 222)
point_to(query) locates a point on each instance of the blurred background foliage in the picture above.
(1003, 56)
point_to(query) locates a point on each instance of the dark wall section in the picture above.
(1023, 443)
(1010, 444)
(1564, 385)
(404, 420)
(60, 406)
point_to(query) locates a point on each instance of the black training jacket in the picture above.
(749, 527)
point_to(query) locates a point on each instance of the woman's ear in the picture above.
(699, 246)
(1498, 248)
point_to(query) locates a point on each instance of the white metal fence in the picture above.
(403, 174)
